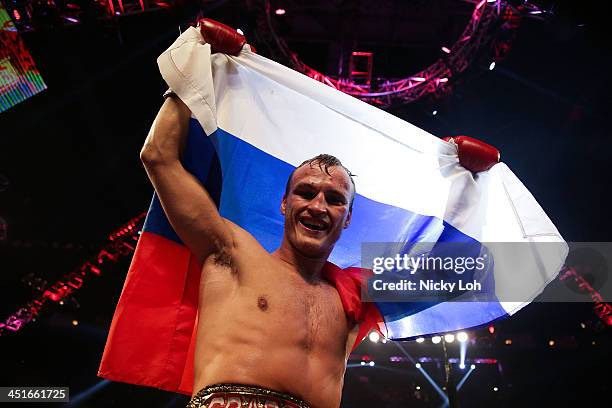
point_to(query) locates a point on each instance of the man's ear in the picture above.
(348, 219)
(283, 206)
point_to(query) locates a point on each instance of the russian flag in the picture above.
(253, 121)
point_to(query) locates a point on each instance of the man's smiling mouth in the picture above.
(314, 225)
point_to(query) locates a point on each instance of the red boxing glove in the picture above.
(221, 38)
(474, 155)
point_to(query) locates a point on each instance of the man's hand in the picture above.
(474, 155)
(221, 38)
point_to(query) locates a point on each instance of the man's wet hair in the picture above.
(325, 161)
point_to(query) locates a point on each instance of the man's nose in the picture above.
(318, 203)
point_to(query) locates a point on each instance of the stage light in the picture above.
(239, 31)
(443, 80)
(434, 112)
(492, 66)
(363, 363)
(462, 348)
(280, 11)
(418, 79)
(374, 337)
(61, 302)
(508, 342)
(551, 343)
(583, 325)
(464, 379)
(384, 341)
(446, 50)
(436, 339)
(449, 338)
(495, 389)
(420, 340)
(75, 322)
(418, 365)
(491, 329)
(372, 364)
(473, 366)
(418, 387)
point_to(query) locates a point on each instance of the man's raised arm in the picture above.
(189, 207)
(187, 204)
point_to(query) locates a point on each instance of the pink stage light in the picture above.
(446, 50)
(443, 80)
(280, 11)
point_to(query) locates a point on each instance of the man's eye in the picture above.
(337, 201)
(306, 194)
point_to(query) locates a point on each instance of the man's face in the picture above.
(316, 209)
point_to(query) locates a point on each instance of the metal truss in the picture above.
(487, 19)
(121, 245)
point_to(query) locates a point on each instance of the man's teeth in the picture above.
(318, 227)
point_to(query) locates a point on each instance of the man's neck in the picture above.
(309, 268)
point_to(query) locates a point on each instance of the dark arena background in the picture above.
(80, 87)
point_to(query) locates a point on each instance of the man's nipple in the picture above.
(262, 303)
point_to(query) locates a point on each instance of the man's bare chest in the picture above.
(309, 314)
(313, 311)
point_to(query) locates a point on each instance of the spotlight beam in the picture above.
(427, 377)
(84, 395)
(404, 352)
(459, 385)
(464, 379)
(462, 352)
(434, 385)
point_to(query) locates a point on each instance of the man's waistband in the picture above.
(239, 396)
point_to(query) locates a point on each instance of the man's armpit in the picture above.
(223, 258)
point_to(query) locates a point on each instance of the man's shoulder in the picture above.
(245, 244)
(241, 236)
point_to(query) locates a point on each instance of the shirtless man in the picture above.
(265, 320)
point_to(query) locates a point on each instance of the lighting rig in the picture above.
(120, 246)
(36, 15)
(492, 25)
